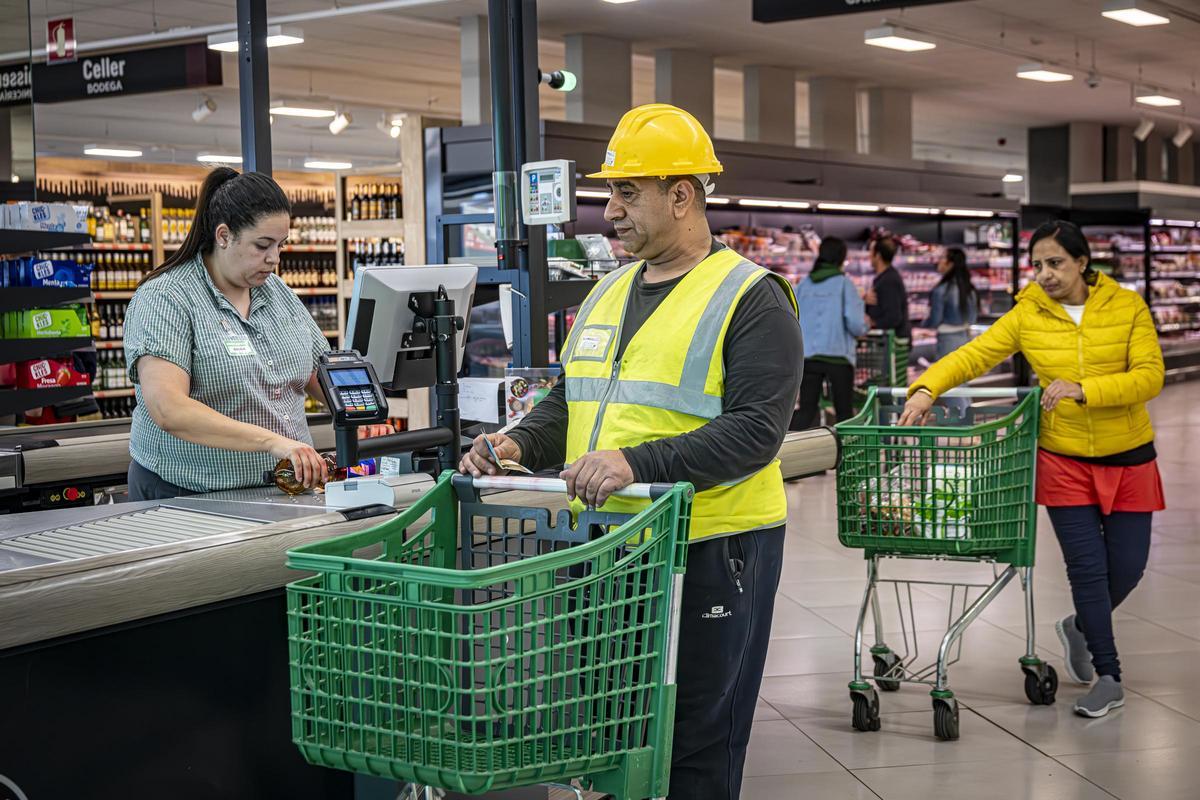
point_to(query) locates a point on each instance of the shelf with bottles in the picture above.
(116, 228)
(119, 407)
(371, 198)
(304, 272)
(372, 252)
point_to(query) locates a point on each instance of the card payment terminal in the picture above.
(354, 393)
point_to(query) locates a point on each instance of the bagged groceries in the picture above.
(930, 501)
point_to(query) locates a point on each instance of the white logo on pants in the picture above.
(717, 612)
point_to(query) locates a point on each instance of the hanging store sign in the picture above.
(161, 69)
(60, 40)
(783, 10)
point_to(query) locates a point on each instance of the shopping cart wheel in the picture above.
(866, 710)
(1041, 683)
(883, 665)
(945, 718)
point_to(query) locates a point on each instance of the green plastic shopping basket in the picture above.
(474, 646)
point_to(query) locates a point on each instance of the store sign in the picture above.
(782, 10)
(60, 40)
(160, 69)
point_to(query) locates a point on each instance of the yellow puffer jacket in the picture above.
(1113, 354)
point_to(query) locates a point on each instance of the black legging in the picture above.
(1106, 555)
(841, 386)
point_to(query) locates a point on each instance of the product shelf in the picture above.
(19, 298)
(13, 350)
(14, 401)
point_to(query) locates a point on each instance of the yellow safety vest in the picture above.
(670, 380)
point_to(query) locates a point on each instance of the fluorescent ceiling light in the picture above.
(910, 210)
(617, 3)
(1143, 130)
(969, 212)
(327, 164)
(1013, 177)
(756, 202)
(1132, 12)
(846, 207)
(1151, 97)
(1156, 222)
(112, 152)
(594, 194)
(1180, 223)
(718, 201)
(896, 39)
(340, 122)
(215, 158)
(285, 109)
(277, 36)
(1037, 72)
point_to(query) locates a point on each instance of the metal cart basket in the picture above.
(943, 494)
(881, 359)
(473, 646)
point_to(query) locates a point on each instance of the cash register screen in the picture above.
(349, 377)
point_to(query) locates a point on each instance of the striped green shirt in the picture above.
(254, 370)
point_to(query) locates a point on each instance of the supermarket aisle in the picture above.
(803, 745)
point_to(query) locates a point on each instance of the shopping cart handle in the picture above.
(643, 491)
(990, 393)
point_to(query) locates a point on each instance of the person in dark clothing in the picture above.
(682, 367)
(887, 299)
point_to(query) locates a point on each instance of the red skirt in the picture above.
(1064, 481)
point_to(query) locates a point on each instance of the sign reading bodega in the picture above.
(781, 10)
(159, 69)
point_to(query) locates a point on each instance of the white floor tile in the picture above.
(1032, 779)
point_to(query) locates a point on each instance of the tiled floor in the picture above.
(803, 745)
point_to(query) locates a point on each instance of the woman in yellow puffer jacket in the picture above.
(1096, 354)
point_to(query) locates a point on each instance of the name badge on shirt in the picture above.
(593, 342)
(238, 346)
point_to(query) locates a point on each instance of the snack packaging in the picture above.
(48, 373)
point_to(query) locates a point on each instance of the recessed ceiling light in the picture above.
(756, 202)
(910, 210)
(1151, 97)
(1037, 72)
(846, 207)
(718, 201)
(1180, 223)
(896, 39)
(969, 212)
(215, 158)
(327, 165)
(112, 152)
(1132, 12)
(594, 194)
(285, 109)
(620, 2)
(1013, 177)
(277, 36)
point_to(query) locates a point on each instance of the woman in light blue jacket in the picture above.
(832, 317)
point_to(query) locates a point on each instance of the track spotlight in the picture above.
(1183, 135)
(340, 122)
(205, 109)
(1143, 130)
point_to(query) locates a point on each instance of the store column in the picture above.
(1061, 156)
(1181, 164)
(1118, 153)
(476, 71)
(1150, 158)
(604, 68)
(770, 105)
(684, 78)
(833, 114)
(889, 123)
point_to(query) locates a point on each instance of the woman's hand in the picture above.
(478, 460)
(307, 464)
(371, 431)
(1061, 390)
(916, 410)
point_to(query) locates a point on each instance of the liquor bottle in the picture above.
(144, 227)
(356, 204)
(120, 315)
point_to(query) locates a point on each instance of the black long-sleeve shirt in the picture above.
(890, 312)
(763, 359)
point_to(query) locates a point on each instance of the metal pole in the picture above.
(445, 331)
(254, 88)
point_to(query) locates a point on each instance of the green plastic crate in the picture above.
(473, 646)
(940, 490)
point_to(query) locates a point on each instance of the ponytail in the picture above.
(237, 200)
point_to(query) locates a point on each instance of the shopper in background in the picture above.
(831, 317)
(1096, 354)
(682, 367)
(221, 352)
(953, 309)
(887, 299)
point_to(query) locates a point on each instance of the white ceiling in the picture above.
(967, 96)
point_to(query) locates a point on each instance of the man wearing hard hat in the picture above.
(683, 366)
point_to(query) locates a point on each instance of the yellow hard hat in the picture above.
(658, 141)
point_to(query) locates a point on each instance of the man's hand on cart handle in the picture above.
(1061, 390)
(478, 460)
(916, 410)
(595, 476)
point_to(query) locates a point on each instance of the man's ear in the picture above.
(683, 196)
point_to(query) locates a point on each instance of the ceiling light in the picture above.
(1151, 97)
(1156, 221)
(215, 158)
(277, 36)
(1180, 223)
(969, 212)
(846, 207)
(594, 194)
(1037, 72)
(754, 202)
(394, 131)
(327, 165)
(282, 108)
(1182, 135)
(1013, 177)
(718, 201)
(16, 178)
(1143, 130)
(341, 122)
(112, 152)
(206, 108)
(619, 2)
(1132, 12)
(910, 210)
(895, 39)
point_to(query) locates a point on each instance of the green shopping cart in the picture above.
(940, 493)
(473, 646)
(881, 359)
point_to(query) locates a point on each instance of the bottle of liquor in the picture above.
(356, 204)
(144, 227)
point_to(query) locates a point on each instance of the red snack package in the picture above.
(45, 373)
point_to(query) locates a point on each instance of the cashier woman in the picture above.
(221, 352)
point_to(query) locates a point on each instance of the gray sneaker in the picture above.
(1106, 694)
(1079, 660)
